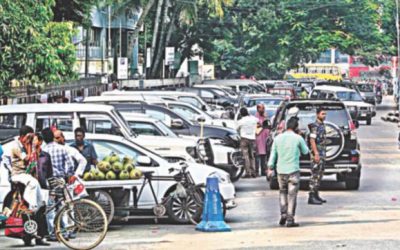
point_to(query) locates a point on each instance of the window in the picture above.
(315, 94)
(191, 100)
(99, 124)
(142, 128)
(155, 114)
(10, 125)
(61, 121)
(206, 94)
(105, 148)
(348, 96)
(219, 92)
(186, 112)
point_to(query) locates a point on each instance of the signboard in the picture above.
(122, 72)
(169, 55)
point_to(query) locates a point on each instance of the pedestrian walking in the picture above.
(247, 126)
(85, 148)
(318, 153)
(285, 159)
(262, 134)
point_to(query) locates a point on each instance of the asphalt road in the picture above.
(365, 219)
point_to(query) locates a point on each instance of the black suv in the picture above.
(343, 149)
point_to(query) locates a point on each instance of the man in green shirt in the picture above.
(285, 158)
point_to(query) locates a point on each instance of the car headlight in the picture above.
(222, 178)
(192, 151)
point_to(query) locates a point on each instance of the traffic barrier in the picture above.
(212, 218)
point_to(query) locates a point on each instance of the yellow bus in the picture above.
(329, 72)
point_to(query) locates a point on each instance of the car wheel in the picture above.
(181, 209)
(369, 121)
(273, 183)
(236, 173)
(352, 180)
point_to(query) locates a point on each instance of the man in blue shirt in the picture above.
(85, 148)
(285, 158)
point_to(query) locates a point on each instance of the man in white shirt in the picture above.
(79, 160)
(247, 127)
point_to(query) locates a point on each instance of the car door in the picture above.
(106, 147)
(63, 121)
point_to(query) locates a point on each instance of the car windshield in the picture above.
(349, 96)
(335, 114)
(366, 88)
(283, 92)
(266, 101)
(167, 131)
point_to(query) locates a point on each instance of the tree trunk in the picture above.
(155, 30)
(160, 46)
(142, 18)
(163, 45)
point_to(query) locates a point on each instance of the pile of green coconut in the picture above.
(112, 168)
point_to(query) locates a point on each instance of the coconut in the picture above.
(135, 174)
(117, 167)
(127, 160)
(129, 167)
(114, 158)
(124, 175)
(107, 158)
(100, 176)
(104, 166)
(87, 176)
(111, 175)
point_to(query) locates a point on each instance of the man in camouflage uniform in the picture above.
(318, 151)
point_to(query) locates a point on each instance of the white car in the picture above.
(216, 153)
(358, 109)
(215, 111)
(106, 144)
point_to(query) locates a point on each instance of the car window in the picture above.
(348, 96)
(366, 88)
(144, 128)
(190, 100)
(165, 130)
(184, 111)
(61, 121)
(155, 114)
(219, 92)
(206, 94)
(315, 94)
(99, 124)
(336, 115)
(10, 125)
(104, 148)
(267, 102)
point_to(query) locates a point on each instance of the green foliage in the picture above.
(33, 50)
(265, 38)
(77, 11)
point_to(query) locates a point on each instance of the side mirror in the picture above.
(204, 108)
(216, 97)
(143, 160)
(177, 123)
(356, 124)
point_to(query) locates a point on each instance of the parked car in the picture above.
(358, 109)
(285, 91)
(106, 144)
(343, 149)
(214, 110)
(214, 95)
(367, 92)
(212, 152)
(238, 85)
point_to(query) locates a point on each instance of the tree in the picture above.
(32, 50)
(77, 11)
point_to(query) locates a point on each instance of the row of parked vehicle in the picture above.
(195, 125)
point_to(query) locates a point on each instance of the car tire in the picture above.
(369, 121)
(236, 173)
(352, 180)
(273, 183)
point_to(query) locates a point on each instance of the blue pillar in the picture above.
(135, 57)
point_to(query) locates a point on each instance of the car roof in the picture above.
(314, 101)
(136, 93)
(210, 86)
(230, 82)
(123, 98)
(130, 116)
(49, 107)
(333, 88)
(260, 96)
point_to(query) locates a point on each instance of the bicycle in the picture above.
(81, 216)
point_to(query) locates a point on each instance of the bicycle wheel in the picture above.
(105, 201)
(86, 219)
